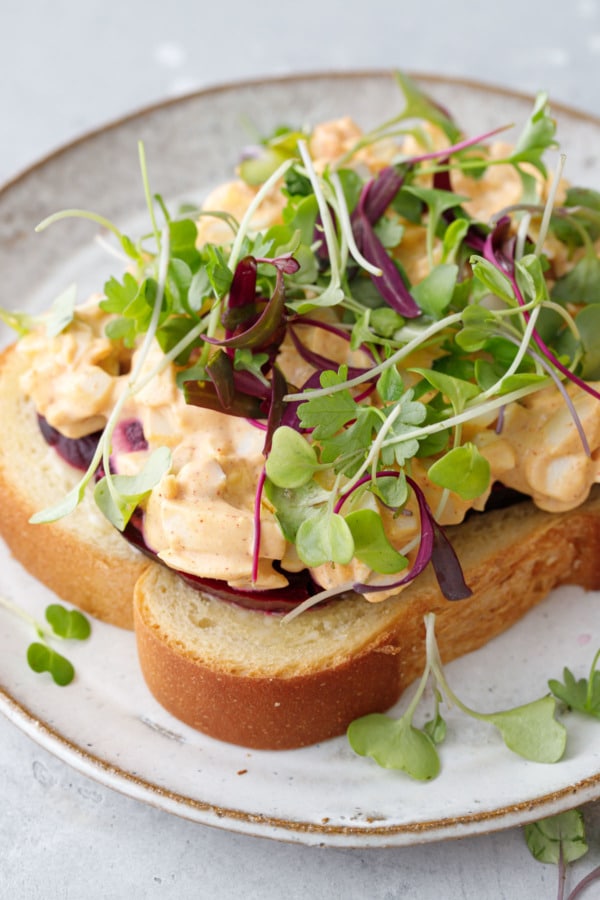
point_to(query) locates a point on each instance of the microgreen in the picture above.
(324, 537)
(371, 544)
(420, 106)
(21, 323)
(463, 470)
(72, 499)
(530, 730)
(42, 658)
(582, 283)
(557, 836)
(585, 344)
(397, 743)
(437, 203)
(561, 840)
(537, 136)
(66, 624)
(58, 318)
(117, 496)
(583, 694)
(434, 293)
(292, 461)
(62, 311)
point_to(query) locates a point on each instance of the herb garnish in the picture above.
(531, 730)
(561, 840)
(67, 624)
(582, 695)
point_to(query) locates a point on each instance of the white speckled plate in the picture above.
(106, 724)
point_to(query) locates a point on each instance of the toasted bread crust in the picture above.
(260, 711)
(512, 559)
(81, 557)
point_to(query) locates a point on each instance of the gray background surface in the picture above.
(67, 67)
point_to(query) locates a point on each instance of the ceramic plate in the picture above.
(106, 724)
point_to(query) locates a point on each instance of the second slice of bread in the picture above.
(81, 557)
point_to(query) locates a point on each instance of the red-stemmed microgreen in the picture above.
(257, 525)
(561, 840)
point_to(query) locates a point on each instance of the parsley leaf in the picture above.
(328, 413)
(581, 694)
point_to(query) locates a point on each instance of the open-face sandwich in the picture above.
(271, 444)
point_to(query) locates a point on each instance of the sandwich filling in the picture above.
(346, 349)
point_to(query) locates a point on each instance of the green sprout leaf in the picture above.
(587, 321)
(325, 537)
(492, 279)
(390, 385)
(294, 505)
(463, 470)
(292, 461)
(62, 311)
(22, 323)
(530, 278)
(346, 449)
(437, 202)
(256, 170)
(64, 506)
(532, 730)
(453, 237)
(457, 390)
(420, 106)
(68, 623)
(43, 658)
(582, 283)
(371, 544)
(537, 136)
(557, 838)
(327, 414)
(479, 324)
(392, 491)
(395, 744)
(118, 496)
(434, 293)
(436, 726)
(582, 222)
(119, 294)
(182, 241)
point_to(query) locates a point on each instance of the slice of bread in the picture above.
(244, 676)
(80, 557)
(249, 678)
